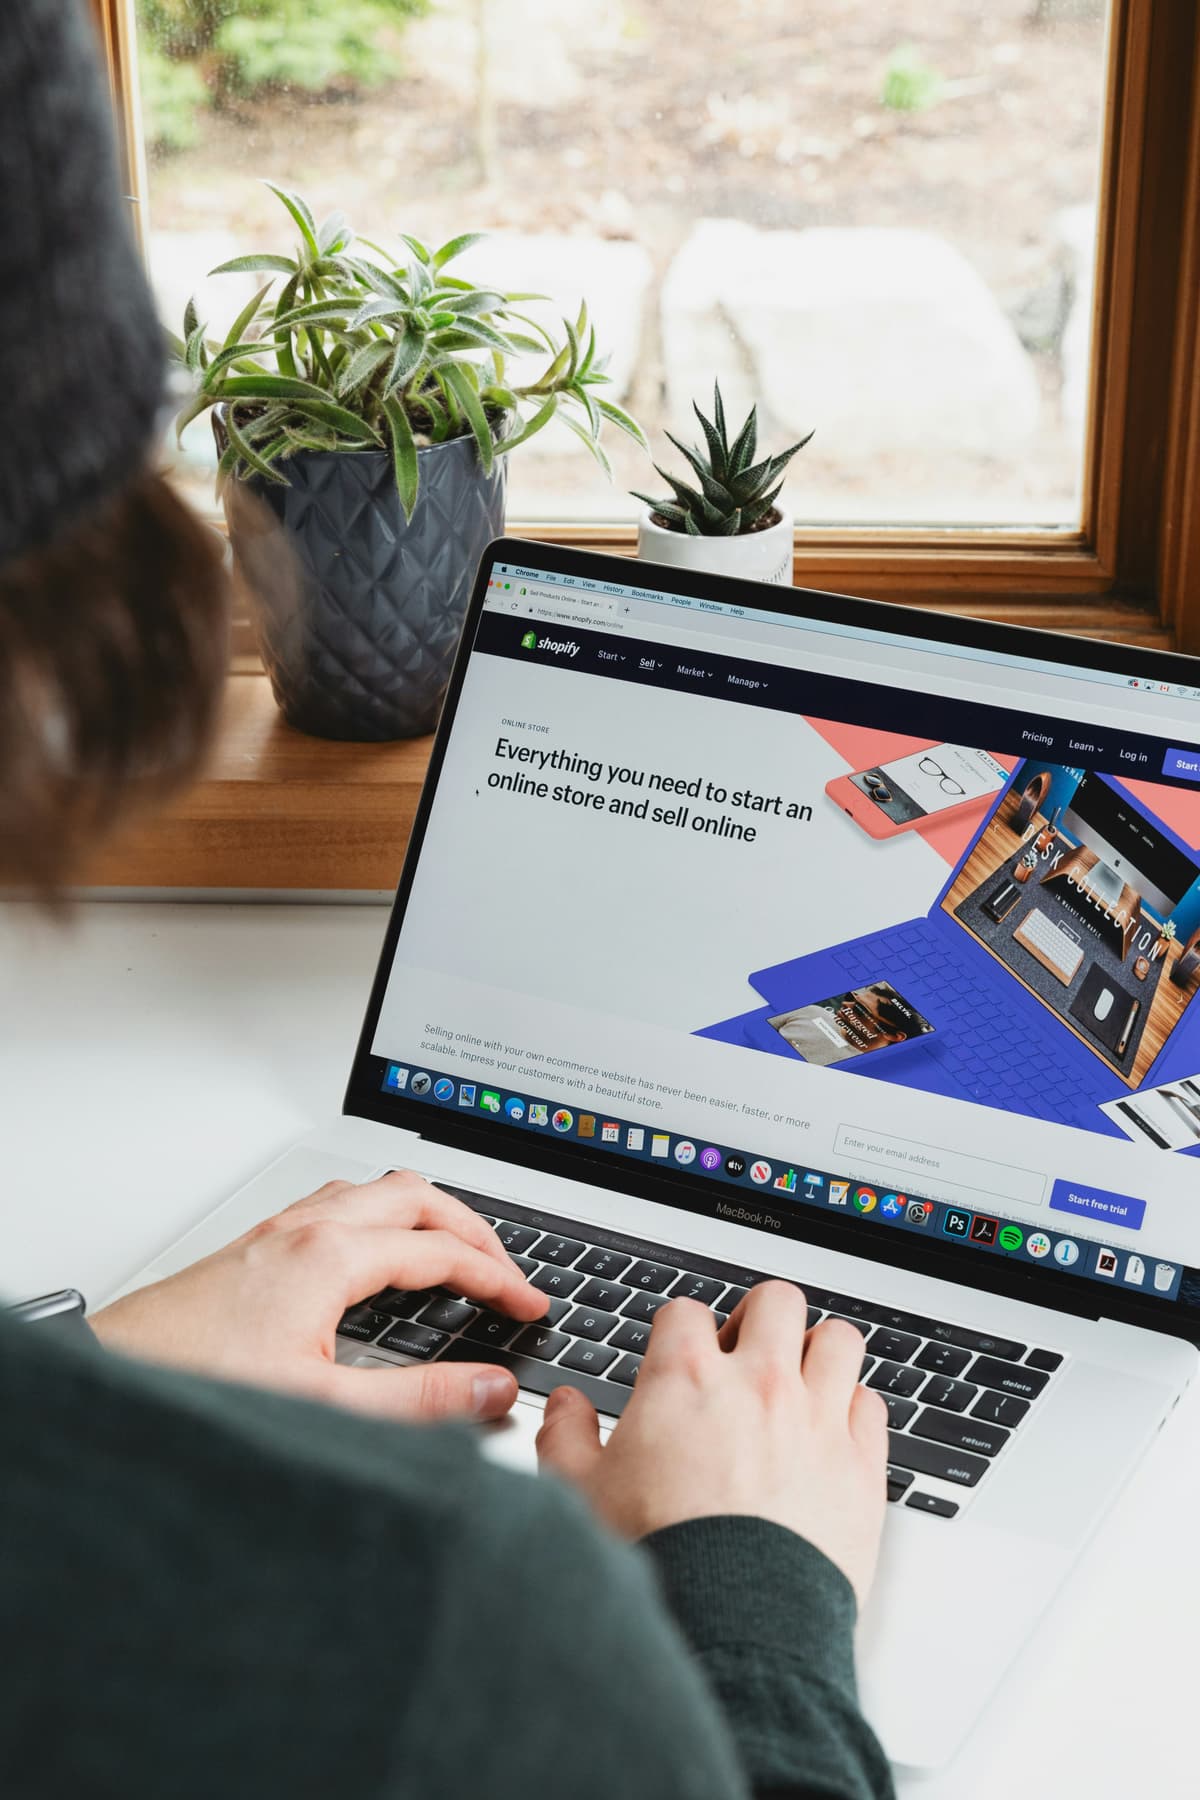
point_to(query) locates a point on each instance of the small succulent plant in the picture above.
(736, 494)
(359, 351)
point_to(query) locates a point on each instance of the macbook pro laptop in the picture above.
(626, 811)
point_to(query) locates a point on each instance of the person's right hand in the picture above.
(757, 1420)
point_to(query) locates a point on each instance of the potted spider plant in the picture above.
(364, 411)
(731, 522)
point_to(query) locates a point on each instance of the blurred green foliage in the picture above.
(200, 52)
(910, 84)
(172, 95)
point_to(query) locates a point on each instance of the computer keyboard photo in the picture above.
(954, 1395)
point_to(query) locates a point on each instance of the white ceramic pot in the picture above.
(756, 556)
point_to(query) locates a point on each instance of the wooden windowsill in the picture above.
(279, 810)
(276, 809)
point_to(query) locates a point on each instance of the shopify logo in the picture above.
(553, 646)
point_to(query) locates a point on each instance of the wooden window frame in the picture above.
(1132, 569)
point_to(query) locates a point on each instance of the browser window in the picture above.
(825, 917)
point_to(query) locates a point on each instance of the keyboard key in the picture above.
(963, 1434)
(526, 1264)
(896, 1378)
(552, 1280)
(586, 1322)
(562, 1250)
(421, 1341)
(541, 1341)
(606, 1265)
(605, 1296)
(1026, 1383)
(954, 1396)
(556, 1310)
(868, 1363)
(644, 1306)
(705, 1288)
(1048, 1360)
(931, 1503)
(814, 1318)
(943, 1359)
(898, 1346)
(542, 1377)
(731, 1297)
(447, 1314)
(632, 1336)
(958, 1466)
(590, 1359)
(654, 1277)
(900, 1411)
(626, 1370)
(999, 1409)
(363, 1323)
(516, 1238)
(862, 1325)
(897, 1481)
(491, 1328)
(401, 1303)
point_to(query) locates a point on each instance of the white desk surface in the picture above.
(154, 1056)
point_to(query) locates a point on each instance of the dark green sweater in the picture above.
(208, 1592)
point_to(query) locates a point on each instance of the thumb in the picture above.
(441, 1391)
(568, 1443)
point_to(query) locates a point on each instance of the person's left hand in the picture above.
(265, 1309)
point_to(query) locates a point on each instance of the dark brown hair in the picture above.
(113, 646)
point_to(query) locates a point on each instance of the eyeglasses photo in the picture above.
(948, 784)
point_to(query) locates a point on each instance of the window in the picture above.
(947, 239)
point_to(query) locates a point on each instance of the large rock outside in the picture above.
(612, 274)
(884, 339)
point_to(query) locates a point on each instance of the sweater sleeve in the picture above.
(771, 1623)
(222, 1591)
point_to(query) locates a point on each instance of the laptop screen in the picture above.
(837, 920)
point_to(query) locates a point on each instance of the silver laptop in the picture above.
(729, 945)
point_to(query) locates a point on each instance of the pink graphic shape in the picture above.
(865, 747)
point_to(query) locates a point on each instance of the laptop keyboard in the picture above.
(954, 1395)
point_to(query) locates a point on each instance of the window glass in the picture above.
(876, 221)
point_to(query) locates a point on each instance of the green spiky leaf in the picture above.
(302, 216)
(404, 454)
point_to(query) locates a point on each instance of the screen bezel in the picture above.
(1041, 1286)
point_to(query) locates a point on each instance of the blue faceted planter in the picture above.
(358, 611)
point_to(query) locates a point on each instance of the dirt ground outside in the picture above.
(635, 120)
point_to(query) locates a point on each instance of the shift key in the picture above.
(958, 1466)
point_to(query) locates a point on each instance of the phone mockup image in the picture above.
(850, 1025)
(927, 784)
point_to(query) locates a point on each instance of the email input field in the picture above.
(935, 1173)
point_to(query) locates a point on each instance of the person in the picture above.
(232, 1566)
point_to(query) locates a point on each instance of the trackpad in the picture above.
(513, 1439)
